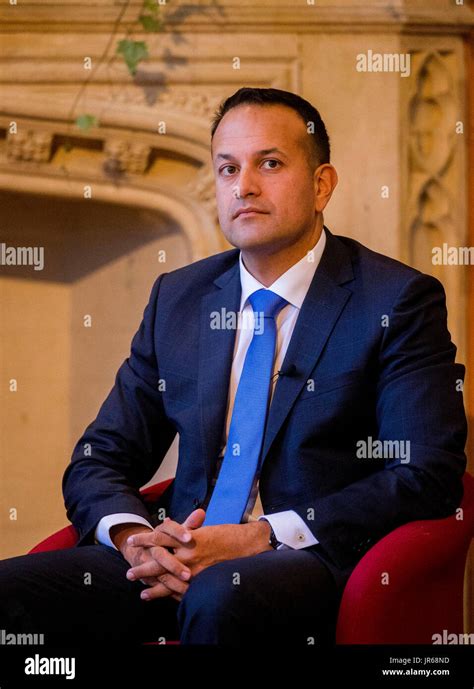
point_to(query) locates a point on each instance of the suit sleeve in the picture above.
(126, 443)
(102, 531)
(418, 399)
(290, 529)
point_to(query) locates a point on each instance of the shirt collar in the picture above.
(293, 284)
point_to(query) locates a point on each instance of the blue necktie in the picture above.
(244, 443)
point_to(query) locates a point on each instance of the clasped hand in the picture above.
(169, 556)
(154, 559)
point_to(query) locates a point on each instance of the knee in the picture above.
(211, 604)
(11, 590)
(212, 591)
(11, 570)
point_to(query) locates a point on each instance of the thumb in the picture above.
(195, 519)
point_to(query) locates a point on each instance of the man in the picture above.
(279, 363)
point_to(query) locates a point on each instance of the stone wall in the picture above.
(107, 200)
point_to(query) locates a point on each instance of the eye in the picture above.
(228, 170)
(272, 160)
(226, 167)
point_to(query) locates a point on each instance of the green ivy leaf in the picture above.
(151, 5)
(86, 121)
(133, 52)
(150, 23)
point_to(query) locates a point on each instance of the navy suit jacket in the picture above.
(372, 334)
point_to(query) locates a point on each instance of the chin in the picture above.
(256, 246)
(250, 239)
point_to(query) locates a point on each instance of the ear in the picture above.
(325, 181)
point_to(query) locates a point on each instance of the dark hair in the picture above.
(308, 113)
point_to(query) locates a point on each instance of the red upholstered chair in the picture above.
(406, 588)
(67, 537)
(425, 562)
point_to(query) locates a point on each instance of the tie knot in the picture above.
(266, 301)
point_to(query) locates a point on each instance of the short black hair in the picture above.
(268, 96)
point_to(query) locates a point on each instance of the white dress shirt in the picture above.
(290, 529)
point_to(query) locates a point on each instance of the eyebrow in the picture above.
(263, 151)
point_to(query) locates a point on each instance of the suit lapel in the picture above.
(216, 348)
(321, 308)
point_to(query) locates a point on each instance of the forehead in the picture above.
(249, 126)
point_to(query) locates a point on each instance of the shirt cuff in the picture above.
(101, 534)
(290, 529)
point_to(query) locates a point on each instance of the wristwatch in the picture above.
(273, 541)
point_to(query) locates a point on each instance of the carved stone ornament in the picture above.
(127, 156)
(30, 145)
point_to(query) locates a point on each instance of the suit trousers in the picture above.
(81, 596)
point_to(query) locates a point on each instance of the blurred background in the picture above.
(105, 110)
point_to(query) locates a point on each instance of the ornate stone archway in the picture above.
(169, 173)
(376, 122)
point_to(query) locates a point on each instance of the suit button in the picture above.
(196, 502)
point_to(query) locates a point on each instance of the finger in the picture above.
(195, 519)
(180, 532)
(168, 586)
(160, 539)
(173, 529)
(162, 562)
(174, 585)
(159, 591)
(153, 581)
(155, 538)
(149, 573)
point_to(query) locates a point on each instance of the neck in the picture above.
(267, 266)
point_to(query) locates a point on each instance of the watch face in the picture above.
(274, 542)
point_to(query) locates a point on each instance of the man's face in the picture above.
(260, 156)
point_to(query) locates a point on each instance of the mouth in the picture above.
(248, 213)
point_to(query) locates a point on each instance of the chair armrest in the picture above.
(409, 585)
(68, 537)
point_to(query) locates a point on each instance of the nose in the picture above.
(247, 183)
